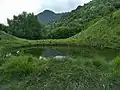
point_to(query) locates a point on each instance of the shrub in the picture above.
(22, 65)
(117, 61)
(115, 66)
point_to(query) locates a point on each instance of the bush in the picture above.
(52, 73)
(115, 66)
(19, 66)
(117, 61)
(24, 66)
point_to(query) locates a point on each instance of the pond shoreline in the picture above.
(63, 45)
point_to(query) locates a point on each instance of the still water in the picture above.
(74, 52)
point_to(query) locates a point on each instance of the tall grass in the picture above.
(30, 73)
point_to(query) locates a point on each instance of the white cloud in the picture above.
(62, 5)
(8, 8)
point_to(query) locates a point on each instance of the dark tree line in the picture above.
(26, 26)
(3, 27)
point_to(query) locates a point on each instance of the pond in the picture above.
(73, 52)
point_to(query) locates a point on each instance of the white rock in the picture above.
(41, 58)
(59, 57)
(18, 52)
(9, 54)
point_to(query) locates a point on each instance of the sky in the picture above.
(8, 8)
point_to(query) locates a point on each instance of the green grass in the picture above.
(29, 73)
(104, 33)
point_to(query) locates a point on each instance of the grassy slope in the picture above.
(9, 40)
(104, 33)
(6, 41)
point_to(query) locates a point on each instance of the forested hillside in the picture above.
(83, 17)
(104, 33)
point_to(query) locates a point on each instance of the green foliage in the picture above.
(5, 36)
(65, 32)
(82, 73)
(23, 66)
(115, 66)
(18, 65)
(83, 15)
(117, 61)
(104, 33)
(25, 25)
(3, 27)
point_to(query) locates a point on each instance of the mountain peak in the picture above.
(49, 11)
(48, 16)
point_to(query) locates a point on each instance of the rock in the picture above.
(18, 52)
(59, 57)
(8, 55)
(41, 58)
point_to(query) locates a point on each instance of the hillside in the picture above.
(80, 18)
(48, 16)
(5, 36)
(6, 39)
(10, 40)
(104, 33)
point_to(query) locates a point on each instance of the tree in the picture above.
(25, 25)
(65, 32)
(3, 27)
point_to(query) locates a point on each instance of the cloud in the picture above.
(8, 8)
(62, 5)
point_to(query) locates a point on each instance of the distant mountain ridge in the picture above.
(48, 16)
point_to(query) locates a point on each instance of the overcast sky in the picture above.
(8, 8)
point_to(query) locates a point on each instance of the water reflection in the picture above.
(71, 52)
